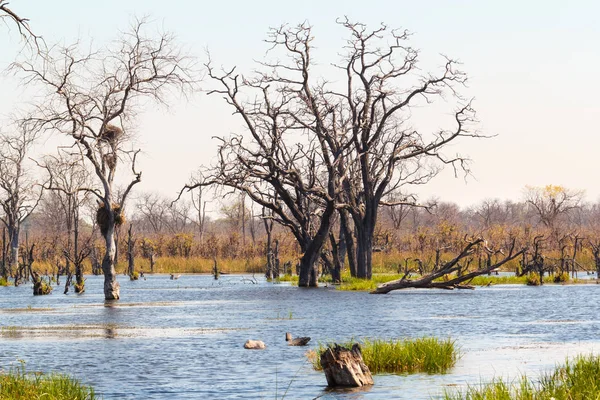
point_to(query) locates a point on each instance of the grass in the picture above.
(4, 281)
(575, 380)
(427, 354)
(17, 384)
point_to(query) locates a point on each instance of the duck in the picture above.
(173, 277)
(299, 341)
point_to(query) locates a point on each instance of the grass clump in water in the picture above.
(428, 354)
(576, 380)
(18, 384)
(4, 281)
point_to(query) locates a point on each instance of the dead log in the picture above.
(345, 367)
(460, 280)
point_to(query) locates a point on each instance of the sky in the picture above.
(532, 66)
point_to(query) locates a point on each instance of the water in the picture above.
(183, 339)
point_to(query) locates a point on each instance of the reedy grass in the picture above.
(578, 379)
(427, 354)
(17, 384)
(4, 282)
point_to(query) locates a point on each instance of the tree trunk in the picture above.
(111, 286)
(345, 367)
(13, 235)
(312, 252)
(364, 252)
(348, 242)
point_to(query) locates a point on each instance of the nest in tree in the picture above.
(111, 133)
(103, 217)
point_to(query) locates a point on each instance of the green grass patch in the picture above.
(4, 281)
(427, 354)
(576, 380)
(17, 384)
(288, 278)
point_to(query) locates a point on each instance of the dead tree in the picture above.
(388, 151)
(295, 179)
(454, 273)
(131, 254)
(19, 194)
(533, 261)
(66, 179)
(93, 99)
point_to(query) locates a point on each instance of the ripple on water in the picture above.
(183, 340)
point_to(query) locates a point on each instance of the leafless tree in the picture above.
(94, 99)
(389, 152)
(67, 178)
(287, 162)
(19, 194)
(551, 203)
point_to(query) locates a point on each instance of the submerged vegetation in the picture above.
(576, 380)
(18, 384)
(427, 354)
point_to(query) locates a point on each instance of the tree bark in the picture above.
(312, 252)
(111, 286)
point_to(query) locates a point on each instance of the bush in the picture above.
(4, 282)
(533, 279)
(561, 278)
(428, 354)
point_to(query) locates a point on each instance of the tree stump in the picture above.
(345, 367)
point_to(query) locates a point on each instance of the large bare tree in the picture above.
(389, 151)
(287, 160)
(94, 99)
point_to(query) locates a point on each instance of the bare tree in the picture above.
(551, 203)
(94, 98)
(67, 178)
(389, 152)
(19, 194)
(287, 162)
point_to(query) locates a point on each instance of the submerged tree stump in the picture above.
(345, 367)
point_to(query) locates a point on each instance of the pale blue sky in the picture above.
(533, 69)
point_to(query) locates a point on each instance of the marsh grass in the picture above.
(19, 384)
(427, 354)
(4, 281)
(575, 380)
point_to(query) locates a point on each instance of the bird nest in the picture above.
(103, 217)
(111, 133)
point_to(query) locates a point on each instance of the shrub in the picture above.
(4, 281)
(533, 279)
(562, 277)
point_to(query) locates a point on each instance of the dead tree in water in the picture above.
(94, 98)
(68, 182)
(534, 261)
(454, 273)
(19, 194)
(295, 179)
(131, 255)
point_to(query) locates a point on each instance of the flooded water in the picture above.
(183, 339)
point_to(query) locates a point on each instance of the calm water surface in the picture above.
(183, 339)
